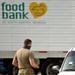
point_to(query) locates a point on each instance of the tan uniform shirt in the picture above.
(22, 57)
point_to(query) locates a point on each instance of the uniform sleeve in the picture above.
(31, 55)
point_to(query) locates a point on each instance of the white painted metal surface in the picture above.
(54, 32)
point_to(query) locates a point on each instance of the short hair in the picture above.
(27, 41)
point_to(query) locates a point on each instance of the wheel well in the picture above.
(55, 60)
(4, 64)
(50, 61)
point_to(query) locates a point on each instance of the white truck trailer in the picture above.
(50, 24)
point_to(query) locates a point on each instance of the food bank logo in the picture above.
(38, 10)
(17, 11)
(14, 11)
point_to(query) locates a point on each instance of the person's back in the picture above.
(23, 58)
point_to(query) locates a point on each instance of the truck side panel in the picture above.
(53, 31)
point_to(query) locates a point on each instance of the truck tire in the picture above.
(46, 68)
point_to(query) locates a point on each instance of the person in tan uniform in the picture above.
(24, 59)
